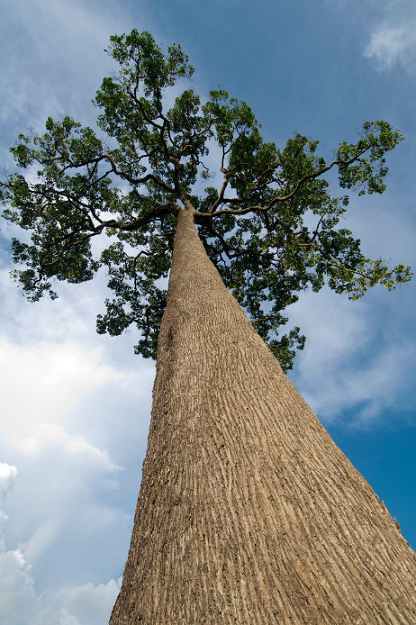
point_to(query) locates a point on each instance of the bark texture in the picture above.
(248, 512)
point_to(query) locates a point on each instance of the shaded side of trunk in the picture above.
(248, 512)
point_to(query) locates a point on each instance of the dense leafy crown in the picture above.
(251, 223)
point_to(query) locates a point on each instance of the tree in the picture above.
(247, 512)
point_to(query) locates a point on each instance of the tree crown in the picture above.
(251, 224)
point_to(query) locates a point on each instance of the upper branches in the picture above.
(132, 187)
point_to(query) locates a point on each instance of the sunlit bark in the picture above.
(248, 512)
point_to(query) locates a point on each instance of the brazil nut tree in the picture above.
(247, 512)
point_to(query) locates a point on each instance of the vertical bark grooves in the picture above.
(248, 512)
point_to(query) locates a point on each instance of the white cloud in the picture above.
(342, 368)
(68, 499)
(42, 78)
(7, 475)
(61, 507)
(393, 45)
(87, 604)
(390, 27)
(54, 433)
(52, 50)
(392, 39)
(54, 514)
(80, 605)
(17, 593)
(41, 383)
(91, 604)
(17, 596)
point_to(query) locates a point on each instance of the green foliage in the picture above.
(252, 224)
(366, 173)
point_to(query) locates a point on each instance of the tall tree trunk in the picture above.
(248, 512)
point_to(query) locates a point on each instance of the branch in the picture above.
(275, 200)
(265, 319)
(135, 181)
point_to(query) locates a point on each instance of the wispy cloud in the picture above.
(388, 28)
(392, 45)
(342, 370)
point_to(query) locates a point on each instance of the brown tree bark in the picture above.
(248, 512)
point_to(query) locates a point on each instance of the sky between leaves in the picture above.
(75, 405)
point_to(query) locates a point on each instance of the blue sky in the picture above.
(75, 405)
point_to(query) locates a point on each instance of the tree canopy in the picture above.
(152, 156)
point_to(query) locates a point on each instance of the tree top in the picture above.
(147, 162)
